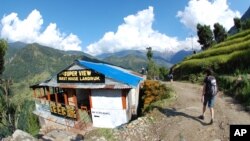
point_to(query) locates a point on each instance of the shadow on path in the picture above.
(173, 112)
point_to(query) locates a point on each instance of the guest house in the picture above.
(88, 92)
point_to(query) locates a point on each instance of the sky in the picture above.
(107, 26)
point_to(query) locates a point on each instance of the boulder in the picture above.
(20, 135)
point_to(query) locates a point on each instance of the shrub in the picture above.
(153, 91)
(192, 78)
(237, 87)
(27, 120)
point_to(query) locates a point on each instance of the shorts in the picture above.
(208, 100)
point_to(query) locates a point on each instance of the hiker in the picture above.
(208, 94)
(170, 75)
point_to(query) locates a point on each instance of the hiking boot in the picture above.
(201, 117)
(212, 121)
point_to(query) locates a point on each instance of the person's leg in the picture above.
(212, 113)
(204, 108)
(211, 105)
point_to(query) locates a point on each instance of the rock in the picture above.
(248, 108)
(20, 135)
(6, 139)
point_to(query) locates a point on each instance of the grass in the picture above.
(100, 133)
(222, 50)
(225, 58)
(162, 103)
(235, 87)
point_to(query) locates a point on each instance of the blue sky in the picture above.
(101, 26)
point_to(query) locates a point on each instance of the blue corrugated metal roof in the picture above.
(113, 72)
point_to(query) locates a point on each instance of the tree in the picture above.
(149, 53)
(220, 33)
(9, 115)
(13, 115)
(205, 35)
(3, 49)
(163, 72)
(246, 24)
(8, 109)
(237, 24)
(152, 69)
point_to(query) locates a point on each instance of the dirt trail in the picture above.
(183, 121)
(178, 121)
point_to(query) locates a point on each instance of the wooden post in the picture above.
(65, 98)
(34, 90)
(48, 93)
(40, 92)
(56, 97)
(44, 91)
(124, 103)
(90, 99)
(75, 102)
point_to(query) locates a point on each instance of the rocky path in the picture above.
(179, 122)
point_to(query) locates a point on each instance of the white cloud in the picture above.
(207, 12)
(137, 33)
(29, 31)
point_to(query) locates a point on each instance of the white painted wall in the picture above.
(107, 111)
(106, 99)
(135, 99)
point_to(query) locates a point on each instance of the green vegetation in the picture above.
(220, 33)
(153, 70)
(131, 62)
(3, 48)
(152, 92)
(228, 59)
(237, 24)
(205, 35)
(237, 87)
(224, 58)
(101, 133)
(241, 24)
(27, 65)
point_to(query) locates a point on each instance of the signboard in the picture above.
(80, 76)
(108, 118)
(63, 110)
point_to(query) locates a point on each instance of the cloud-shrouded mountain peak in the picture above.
(137, 33)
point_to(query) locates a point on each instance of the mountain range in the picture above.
(134, 59)
(28, 64)
(33, 59)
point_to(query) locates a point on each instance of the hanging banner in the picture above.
(80, 76)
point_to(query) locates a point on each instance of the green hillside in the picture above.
(33, 63)
(228, 57)
(130, 61)
(135, 62)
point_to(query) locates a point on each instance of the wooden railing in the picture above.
(59, 109)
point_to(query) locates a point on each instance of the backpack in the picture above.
(211, 86)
